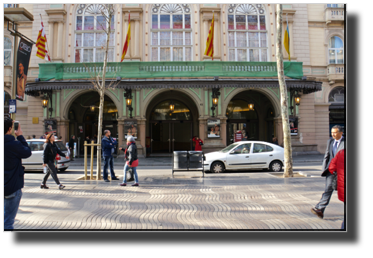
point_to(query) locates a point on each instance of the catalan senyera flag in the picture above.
(210, 41)
(287, 38)
(41, 44)
(128, 38)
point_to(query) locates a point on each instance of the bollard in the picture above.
(85, 160)
(92, 151)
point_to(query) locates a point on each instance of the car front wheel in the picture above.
(275, 166)
(217, 167)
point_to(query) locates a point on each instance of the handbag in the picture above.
(334, 181)
(200, 143)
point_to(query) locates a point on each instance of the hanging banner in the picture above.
(23, 60)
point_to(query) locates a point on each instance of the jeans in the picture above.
(126, 167)
(325, 198)
(51, 171)
(11, 204)
(108, 160)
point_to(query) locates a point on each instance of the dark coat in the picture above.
(329, 154)
(130, 153)
(50, 152)
(14, 152)
(71, 143)
(107, 145)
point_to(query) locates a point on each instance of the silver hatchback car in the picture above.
(35, 162)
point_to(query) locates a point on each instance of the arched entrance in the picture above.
(257, 124)
(83, 119)
(171, 128)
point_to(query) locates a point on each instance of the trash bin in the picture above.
(195, 159)
(180, 160)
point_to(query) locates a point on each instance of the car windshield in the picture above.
(228, 148)
(61, 146)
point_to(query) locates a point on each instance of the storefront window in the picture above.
(239, 109)
(162, 111)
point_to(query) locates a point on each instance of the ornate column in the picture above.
(207, 19)
(60, 42)
(223, 130)
(50, 40)
(56, 50)
(141, 123)
(136, 42)
(202, 128)
(121, 142)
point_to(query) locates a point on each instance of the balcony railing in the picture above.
(334, 14)
(68, 71)
(336, 72)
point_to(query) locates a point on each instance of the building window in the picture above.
(335, 5)
(337, 95)
(10, 6)
(171, 32)
(90, 35)
(336, 50)
(247, 33)
(7, 51)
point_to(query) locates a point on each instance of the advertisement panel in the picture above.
(213, 128)
(50, 126)
(23, 60)
(130, 128)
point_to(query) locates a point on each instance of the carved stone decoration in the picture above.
(247, 9)
(171, 8)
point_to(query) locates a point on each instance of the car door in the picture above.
(261, 155)
(35, 161)
(238, 158)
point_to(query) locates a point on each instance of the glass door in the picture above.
(160, 137)
(182, 136)
(249, 130)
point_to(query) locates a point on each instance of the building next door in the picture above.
(170, 129)
(169, 136)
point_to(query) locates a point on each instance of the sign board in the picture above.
(12, 106)
(237, 136)
(293, 122)
(50, 126)
(213, 128)
(130, 128)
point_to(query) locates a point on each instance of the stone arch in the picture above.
(70, 99)
(272, 98)
(153, 94)
(329, 90)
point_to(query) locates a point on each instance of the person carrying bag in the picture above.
(49, 156)
(131, 160)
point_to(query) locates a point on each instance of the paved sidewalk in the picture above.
(167, 161)
(227, 201)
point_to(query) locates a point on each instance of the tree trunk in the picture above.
(288, 169)
(101, 90)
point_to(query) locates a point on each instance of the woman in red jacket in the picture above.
(198, 142)
(338, 164)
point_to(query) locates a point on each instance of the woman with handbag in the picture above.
(131, 160)
(198, 142)
(50, 152)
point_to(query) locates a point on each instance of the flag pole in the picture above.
(212, 41)
(129, 23)
(41, 20)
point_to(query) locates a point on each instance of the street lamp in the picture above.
(215, 99)
(297, 99)
(172, 106)
(44, 101)
(128, 96)
(92, 108)
(251, 106)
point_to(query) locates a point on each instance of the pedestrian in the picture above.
(131, 160)
(108, 148)
(71, 147)
(33, 136)
(50, 152)
(14, 152)
(275, 141)
(332, 147)
(198, 142)
(338, 164)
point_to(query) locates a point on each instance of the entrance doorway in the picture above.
(169, 136)
(84, 120)
(248, 129)
(170, 128)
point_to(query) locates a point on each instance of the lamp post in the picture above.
(172, 106)
(128, 96)
(215, 99)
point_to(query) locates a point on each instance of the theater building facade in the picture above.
(176, 92)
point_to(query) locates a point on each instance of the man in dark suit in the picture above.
(334, 145)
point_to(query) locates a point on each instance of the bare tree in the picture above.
(98, 78)
(288, 169)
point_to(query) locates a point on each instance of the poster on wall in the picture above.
(213, 128)
(130, 128)
(50, 126)
(293, 121)
(23, 60)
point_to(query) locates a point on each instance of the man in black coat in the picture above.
(71, 147)
(14, 152)
(334, 145)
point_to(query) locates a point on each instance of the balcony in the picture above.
(334, 15)
(76, 71)
(336, 72)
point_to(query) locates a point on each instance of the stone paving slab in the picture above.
(240, 201)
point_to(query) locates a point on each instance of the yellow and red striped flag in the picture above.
(128, 38)
(287, 37)
(41, 43)
(210, 41)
